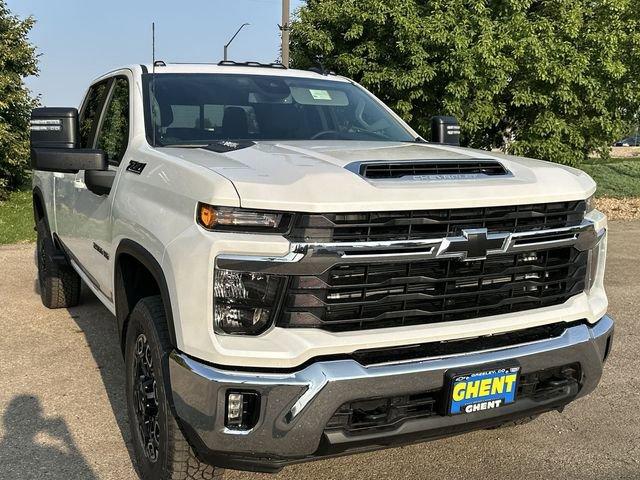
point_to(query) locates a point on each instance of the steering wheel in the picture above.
(324, 133)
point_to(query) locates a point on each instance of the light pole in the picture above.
(285, 32)
(234, 36)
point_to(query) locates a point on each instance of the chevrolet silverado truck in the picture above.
(297, 274)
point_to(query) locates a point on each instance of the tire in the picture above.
(161, 450)
(60, 285)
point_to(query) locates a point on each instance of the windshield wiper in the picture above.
(224, 146)
(184, 145)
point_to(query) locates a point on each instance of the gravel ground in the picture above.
(63, 412)
(619, 208)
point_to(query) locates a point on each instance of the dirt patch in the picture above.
(630, 152)
(619, 208)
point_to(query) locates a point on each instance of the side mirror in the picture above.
(67, 160)
(445, 130)
(54, 141)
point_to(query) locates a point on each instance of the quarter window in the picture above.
(114, 133)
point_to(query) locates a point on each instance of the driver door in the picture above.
(92, 235)
(67, 184)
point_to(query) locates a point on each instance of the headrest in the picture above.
(234, 123)
(166, 115)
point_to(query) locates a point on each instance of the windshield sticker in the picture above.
(320, 94)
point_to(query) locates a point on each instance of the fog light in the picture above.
(244, 301)
(243, 410)
(234, 409)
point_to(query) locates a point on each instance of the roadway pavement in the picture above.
(63, 411)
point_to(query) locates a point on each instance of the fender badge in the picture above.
(100, 250)
(136, 167)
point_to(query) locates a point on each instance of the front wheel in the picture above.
(161, 451)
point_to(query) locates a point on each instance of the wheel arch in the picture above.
(38, 204)
(137, 274)
(40, 209)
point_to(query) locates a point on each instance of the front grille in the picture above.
(420, 224)
(384, 170)
(380, 295)
(388, 413)
(365, 416)
(377, 356)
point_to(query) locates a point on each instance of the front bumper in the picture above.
(297, 406)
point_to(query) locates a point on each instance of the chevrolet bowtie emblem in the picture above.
(474, 244)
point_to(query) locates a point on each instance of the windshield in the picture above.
(198, 109)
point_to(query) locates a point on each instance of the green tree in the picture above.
(552, 79)
(17, 60)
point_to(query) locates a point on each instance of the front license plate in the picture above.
(483, 390)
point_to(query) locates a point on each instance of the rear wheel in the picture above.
(161, 451)
(59, 284)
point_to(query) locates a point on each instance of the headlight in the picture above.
(591, 204)
(239, 219)
(244, 302)
(597, 252)
(596, 262)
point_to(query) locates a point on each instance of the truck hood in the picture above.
(315, 176)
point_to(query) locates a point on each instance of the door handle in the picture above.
(58, 175)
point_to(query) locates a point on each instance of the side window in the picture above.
(91, 113)
(114, 133)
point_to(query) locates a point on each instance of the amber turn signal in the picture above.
(230, 218)
(207, 215)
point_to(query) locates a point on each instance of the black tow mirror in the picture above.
(445, 130)
(54, 127)
(54, 143)
(66, 160)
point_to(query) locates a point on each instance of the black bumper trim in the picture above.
(327, 450)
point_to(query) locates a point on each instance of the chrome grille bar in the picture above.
(312, 258)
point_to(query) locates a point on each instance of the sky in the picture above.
(78, 40)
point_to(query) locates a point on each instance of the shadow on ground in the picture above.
(46, 440)
(99, 328)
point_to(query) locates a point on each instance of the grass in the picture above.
(616, 177)
(16, 218)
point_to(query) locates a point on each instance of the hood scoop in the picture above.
(428, 169)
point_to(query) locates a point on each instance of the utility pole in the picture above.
(285, 32)
(232, 38)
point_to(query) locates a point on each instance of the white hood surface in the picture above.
(310, 176)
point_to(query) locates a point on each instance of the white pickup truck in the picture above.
(296, 274)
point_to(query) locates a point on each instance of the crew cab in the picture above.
(297, 274)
